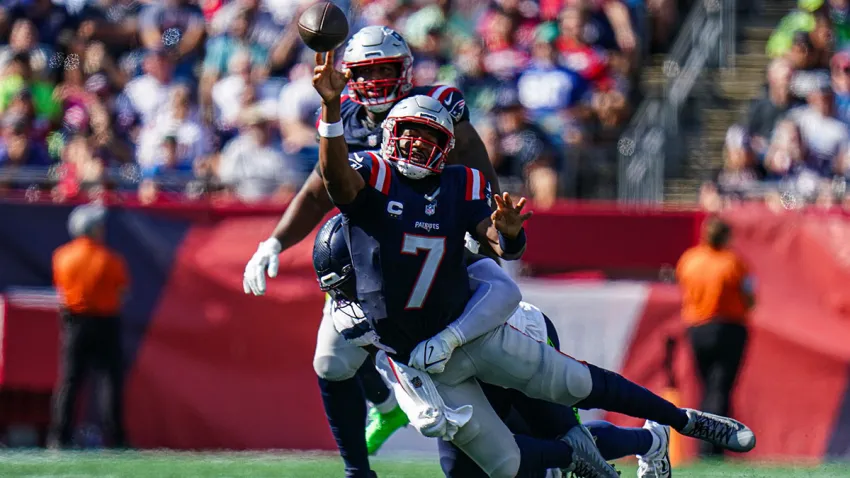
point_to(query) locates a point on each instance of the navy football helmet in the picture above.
(332, 262)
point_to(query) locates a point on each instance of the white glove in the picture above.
(418, 397)
(265, 259)
(432, 355)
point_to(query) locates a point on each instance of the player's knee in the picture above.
(333, 368)
(507, 467)
(579, 381)
(506, 292)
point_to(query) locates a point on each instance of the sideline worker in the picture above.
(91, 281)
(717, 296)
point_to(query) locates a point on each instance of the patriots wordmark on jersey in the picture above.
(407, 236)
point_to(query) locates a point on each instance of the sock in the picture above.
(612, 392)
(374, 387)
(545, 419)
(617, 442)
(537, 456)
(345, 409)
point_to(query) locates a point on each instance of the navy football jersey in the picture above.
(407, 241)
(361, 136)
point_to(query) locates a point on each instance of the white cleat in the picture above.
(721, 431)
(656, 463)
(587, 461)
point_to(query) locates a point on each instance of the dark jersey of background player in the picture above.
(363, 131)
(420, 225)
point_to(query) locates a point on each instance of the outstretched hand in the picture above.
(327, 80)
(508, 218)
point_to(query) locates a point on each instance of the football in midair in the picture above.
(323, 27)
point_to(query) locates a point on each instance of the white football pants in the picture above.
(508, 358)
(335, 358)
(505, 357)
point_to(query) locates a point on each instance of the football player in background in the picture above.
(380, 63)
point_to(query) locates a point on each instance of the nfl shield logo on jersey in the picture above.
(373, 140)
(430, 209)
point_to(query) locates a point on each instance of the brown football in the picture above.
(323, 27)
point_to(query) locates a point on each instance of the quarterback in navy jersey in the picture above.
(417, 226)
(407, 214)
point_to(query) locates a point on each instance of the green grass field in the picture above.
(44, 464)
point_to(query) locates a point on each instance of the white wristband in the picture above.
(330, 130)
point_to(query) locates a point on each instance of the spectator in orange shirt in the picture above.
(91, 281)
(717, 295)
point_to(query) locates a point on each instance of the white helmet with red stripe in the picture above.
(376, 45)
(424, 152)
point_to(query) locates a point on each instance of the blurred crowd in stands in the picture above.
(793, 147)
(176, 99)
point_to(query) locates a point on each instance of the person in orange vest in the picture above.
(91, 281)
(717, 296)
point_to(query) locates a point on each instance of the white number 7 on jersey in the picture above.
(436, 247)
